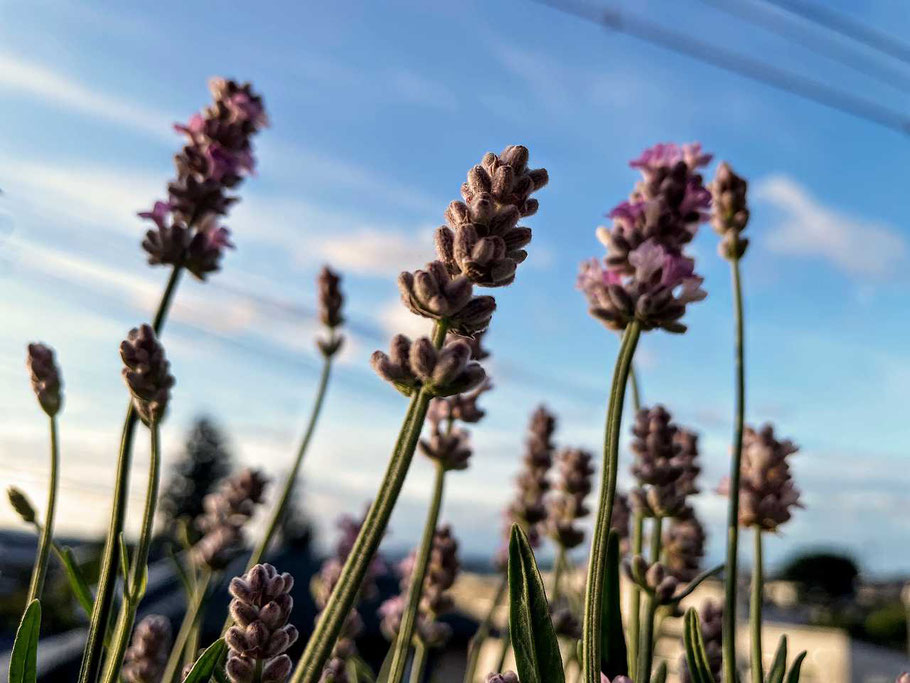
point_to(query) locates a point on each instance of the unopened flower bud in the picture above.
(147, 373)
(21, 504)
(146, 657)
(45, 376)
(730, 211)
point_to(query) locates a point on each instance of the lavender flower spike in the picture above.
(330, 301)
(45, 376)
(442, 372)
(147, 373)
(147, 654)
(730, 212)
(566, 502)
(767, 493)
(507, 677)
(261, 607)
(21, 504)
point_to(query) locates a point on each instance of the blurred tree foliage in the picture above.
(205, 461)
(822, 576)
(887, 625)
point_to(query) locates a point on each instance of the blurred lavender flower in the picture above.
(449, 446)
(664, 464)
(45, 375)
(146, 656)
(21, 504)
(645, 276)
(462, 407)
(226, 512)
(331, 301)
(436, 599)
(619, 679)
(621, 520)
(711, 617)
(434, 293)
(684, 548)
(147, 373)
(507, 677)
(730, 212)
(444, 372)
(653, 578)
(260, 609)
(566, 501)
(767, 493)
(482, 239)
(217, 156)
(903, 678)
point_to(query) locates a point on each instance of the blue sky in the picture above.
(378, 110)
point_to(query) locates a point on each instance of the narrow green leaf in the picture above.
(76, 579)
(660, 675)
(613, 655)
(23, 661)
(779, 667)
(204, 667)
(219, 675)
(124, 567)
(793, 676)
(696, 657)
(537, 655)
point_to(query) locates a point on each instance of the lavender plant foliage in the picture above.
(436, 598)
(147, 373)
(767, 494)
(730, 211)
(410, 366)
(260, 608)
(645, 275)
(218, 154)
(711, 617)
(147, 654)
(226, 513)
(45, 376)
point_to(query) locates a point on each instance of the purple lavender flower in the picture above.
(684, 548)
(730, 213)
(507, 677)
(147, 373)
(444, 372)
(450, 447)
(45, 376)
(21, 505)
(652, 578)
(147, 654)
(566, 500)
(330, 301)
(261, 633)
(621, 519)
(217, 156)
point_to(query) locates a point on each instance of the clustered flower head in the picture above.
(261, 633)
(566, 501)
(730, 211)
(482, 240)
(433, 293)
(684, 548)
(217, 155)
(462, 407)
(410, 366)
(507, 677)
(665, 464)
(21, 504)
(653, 578)
(767, 493)
(435, 599)
(645, 275)
(147, 373)
(45, 376)
(449, 446)
(331, 301)
(227, 511)
(711, 616)
(146, 657)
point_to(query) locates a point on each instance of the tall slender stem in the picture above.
(730, 585)
(419, 663)
(282, 504)
(504, 650)
(91, 656)
(559, 567)
(593, 616)
(755, 619)
(418, 574)
(646, 637)
(340, 602)
(36, 585)
(190, 619)
(483, 631)
(136, 586)
(638, 526)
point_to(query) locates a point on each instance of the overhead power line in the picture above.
(760, 14)
(847, 26)
(728, 60)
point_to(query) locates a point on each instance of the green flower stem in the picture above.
(135, 589)
(190, 620)
(646, 638)
(638, 532)
(593, 616)
(483, 631)
(36, 585)
(91, 656)
(419, 663)
(755, 620)
(418, 574)
(730, 584)
(340, 602)
(559, 567)
(282, 505)
(504, 650)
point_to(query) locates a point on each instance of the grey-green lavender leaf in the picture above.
(793, 674)
(76, 580)
(537, 656)
(779, 666)
(613, 655)
(23, 661)
(696, 657)
(660, 676)
(204, 667)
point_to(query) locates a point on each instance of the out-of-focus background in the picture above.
(377, 111)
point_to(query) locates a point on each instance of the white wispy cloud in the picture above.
(57, 88)
(376, 252)
(857, 246)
